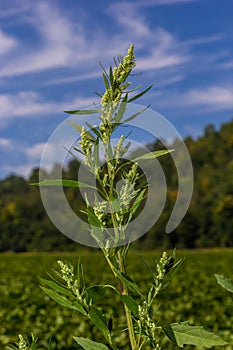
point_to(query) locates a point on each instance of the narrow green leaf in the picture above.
(152, 155)
(62, 182)
(183, 334)
(140, 94)
(130, 303)
(61, 300)
(83, 111)
(224, 282)
(99, 321)
(92, 218)
(79, 128)
(128, 282)
(78, 306)
(56, 287)
(137, 202)
(133, 116)
(121, 110)
(104, 70)
(94, 129)
(88, 344)
(100, 95)
(105, 81)
(111, 77)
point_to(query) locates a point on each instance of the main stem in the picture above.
(128, 315)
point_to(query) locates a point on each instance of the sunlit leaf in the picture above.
(105, 81)
(140, 94)
(83, 111)
(183, 334)
(99, 321)
(79, 128)
(152, 155)
(224, 282)
(88, 344)
(62, 182)
(56, 287)
(130, 303)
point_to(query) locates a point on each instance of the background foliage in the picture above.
(24, 225)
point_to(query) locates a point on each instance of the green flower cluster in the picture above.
(119, 75)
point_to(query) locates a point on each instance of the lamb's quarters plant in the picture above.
(112, 212)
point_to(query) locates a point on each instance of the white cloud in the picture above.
(62, 43)
(75, 78)
(7, 43)
(227, 65)
(23, 104)
(28, 103)
(34, 152)
(167, 2)
(205, 99)
(4, 142)
(14, 8)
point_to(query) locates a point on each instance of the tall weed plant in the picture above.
(120, 193)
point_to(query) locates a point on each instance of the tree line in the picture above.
(25, 226)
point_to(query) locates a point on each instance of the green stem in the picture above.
(128, 315)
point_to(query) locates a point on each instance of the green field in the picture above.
(193, 295)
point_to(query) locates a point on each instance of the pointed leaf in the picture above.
(136, 203)
(88, 344)
(79, 128)
(111, 78)
(56, 287)
(183, 334)
(121, 110)
(224, 282)
(105, 81)
(152, 155)
(140, 94)
(130, 303)
(99, 321)
(94, 129)
(128, 282)
(135, 115)
(61, 300)
(62, 182)
(78, 306)
(83, 111)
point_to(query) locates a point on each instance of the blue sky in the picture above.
(49, 54)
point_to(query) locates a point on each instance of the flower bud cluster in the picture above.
(100, 211)
(113, 93)
(121, 72)
(126, 194)
(67, 274)
(133, 174)
(85, 141)
(146, 322)
(120, 150)
(22, 343)
(162, 265)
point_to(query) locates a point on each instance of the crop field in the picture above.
(193, 295)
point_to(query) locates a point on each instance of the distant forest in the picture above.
(25, 226)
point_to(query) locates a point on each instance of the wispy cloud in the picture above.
(205, 99)
(7, 43)
(28, 103)
(9, 9)
(4, 142)
(167, 2)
